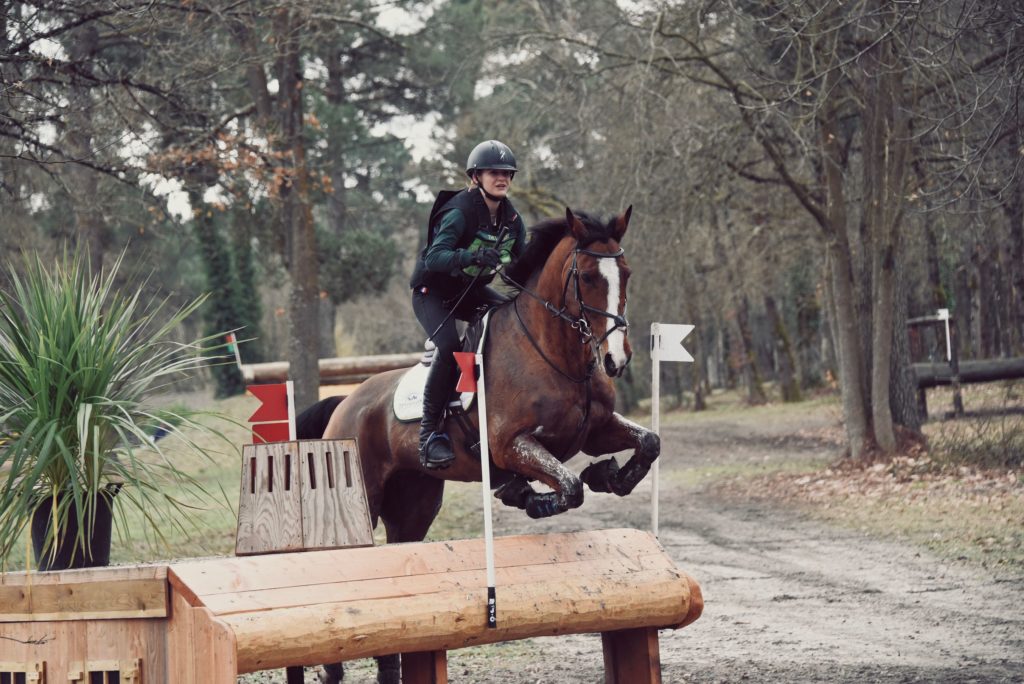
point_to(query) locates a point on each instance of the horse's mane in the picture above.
(548, 233)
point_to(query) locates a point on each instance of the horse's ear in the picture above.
(575, 225)
(621, 223)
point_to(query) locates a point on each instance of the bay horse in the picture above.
(549, 399)
(550, 356)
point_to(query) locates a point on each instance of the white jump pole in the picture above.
(944, 317)
(666, 345)
(485, 478)
(655, 418)
(291, 411)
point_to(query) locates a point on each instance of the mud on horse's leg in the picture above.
(530, 460)
(619, 434)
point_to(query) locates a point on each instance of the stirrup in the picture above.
(429, 456)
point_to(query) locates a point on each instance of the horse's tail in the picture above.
(311, 423)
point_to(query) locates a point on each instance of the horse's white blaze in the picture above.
(617, 340)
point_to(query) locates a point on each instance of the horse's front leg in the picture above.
(528, 457)
(619, 434)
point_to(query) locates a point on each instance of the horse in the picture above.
(551, 353)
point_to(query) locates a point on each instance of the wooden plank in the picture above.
(335, 513)
(126, 644)
(97, 598)
(397, 587)
(456, 619)
(83, 576)
(33, 671)
(631, 656)
(269, 510)
(55, 643)
(180, 640)
(430, 667)
(214, 659)
(230, 575)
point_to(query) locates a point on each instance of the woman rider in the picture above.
(452, 273)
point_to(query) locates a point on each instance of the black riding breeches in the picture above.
(431, 309)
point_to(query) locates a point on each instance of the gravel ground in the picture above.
(787, 599)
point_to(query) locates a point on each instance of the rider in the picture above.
(452, 272)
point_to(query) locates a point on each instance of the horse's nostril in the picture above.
(609, 364)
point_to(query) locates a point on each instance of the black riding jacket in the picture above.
(460, 224)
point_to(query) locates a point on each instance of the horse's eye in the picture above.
(586, 278)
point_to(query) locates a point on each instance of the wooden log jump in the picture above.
(350, 369)
(227, 616)
(984, 370)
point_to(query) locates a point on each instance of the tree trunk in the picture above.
(298, 217)
(743, 353)
(885, 144)
(784, 351)
(903, 389)
(1014, 208)
(748, 355)
(220, 313)
(83, 183)
(847, 338)
(986, 321)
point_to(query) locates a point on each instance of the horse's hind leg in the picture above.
(619, 434)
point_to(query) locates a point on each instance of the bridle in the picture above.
(580, 323)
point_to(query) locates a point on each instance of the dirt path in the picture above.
(786, 598)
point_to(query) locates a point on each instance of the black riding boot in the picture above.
(435, 447)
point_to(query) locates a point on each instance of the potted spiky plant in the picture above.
(81, 363)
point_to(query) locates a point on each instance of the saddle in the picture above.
(408, 399)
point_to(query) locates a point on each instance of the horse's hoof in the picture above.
(543, 506)
(515, 494)
(598, 475)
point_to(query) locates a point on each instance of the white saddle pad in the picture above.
(408, 400)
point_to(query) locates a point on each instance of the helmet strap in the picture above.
(493, 198)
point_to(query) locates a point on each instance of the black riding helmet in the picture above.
(491, 154)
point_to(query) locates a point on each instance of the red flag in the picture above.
(275, 403)
(467, 364)
(270, 432)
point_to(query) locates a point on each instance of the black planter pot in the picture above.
(68, 555)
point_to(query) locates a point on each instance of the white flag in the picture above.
(667, 339)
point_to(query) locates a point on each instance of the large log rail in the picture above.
(985, 370)
(225, 616)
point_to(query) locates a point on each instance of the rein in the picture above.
(581, 325)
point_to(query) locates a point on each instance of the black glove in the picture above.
(486, 256)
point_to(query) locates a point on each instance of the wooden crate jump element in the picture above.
(60, 626)
(421, 600)
(302, 495)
